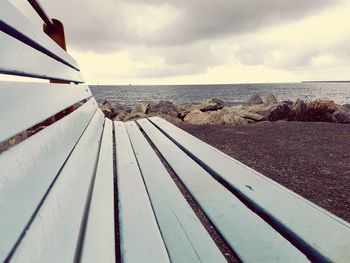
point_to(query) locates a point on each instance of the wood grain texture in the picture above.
(29, 168)
(249, 236)
(140, 238)
(184, 235)
(17, 58)
(23, 105)
(14, 23)
(99, 242)
(320, 234)
(53, 235)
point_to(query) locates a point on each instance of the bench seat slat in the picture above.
(23, 105)
(15, 23)
(321, 234)
(140, 238)
(28, 169)
(99, 243)
(53, 235)
(183, 233)
(250, 237)
(20, 59)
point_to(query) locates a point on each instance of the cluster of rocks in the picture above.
(215, 112)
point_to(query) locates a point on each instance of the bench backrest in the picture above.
(50, 193)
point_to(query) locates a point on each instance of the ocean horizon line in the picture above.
(222, 84)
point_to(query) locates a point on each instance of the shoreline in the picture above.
(218, 112)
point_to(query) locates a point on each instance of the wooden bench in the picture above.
(59, 187)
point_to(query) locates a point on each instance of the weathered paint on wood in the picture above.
(28, 169)
(20, 59)
(321, 234)
(249, 236)
(23, 105)
(99, 242)
(16, 24)
(54, 233)
(184, 235)
(140, 239)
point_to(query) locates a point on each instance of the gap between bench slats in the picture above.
(14, 23)
(184, 235)
(249, 236)
(23, 105)
(53, 235)
(140, 238)
(20, 59)
(99, 241)
(29, 168)
(320, 234)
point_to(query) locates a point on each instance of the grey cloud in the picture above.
(169, 71)
(103, 26)
(264, 54)
(252, 52)
(187, 60)
(197, 53)
(204, 19)
(342, 48)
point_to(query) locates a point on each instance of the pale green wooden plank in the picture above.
(99, 242)
(17, 58)
(184, 235)
(31, 103)
(140, 238)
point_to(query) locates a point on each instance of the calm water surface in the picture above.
(230, 93)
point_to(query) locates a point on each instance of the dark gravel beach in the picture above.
(310, 158)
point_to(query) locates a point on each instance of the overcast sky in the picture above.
(205, 41)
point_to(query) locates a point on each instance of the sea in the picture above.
(232, 94)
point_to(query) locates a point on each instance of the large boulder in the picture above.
(299, 110)
(107, 110)
(115, 106)
(211, 105)
(328, 105)
(222, 117)
(270, 100)
(183, 110)
(255, 100)
(282, 111)
(204, 105)
(243, 112)
(164, 107)
(320, 110)
(347, 106)
(141, 108)
(260, 109)
(197, 117)
(111, 109)
(341, 116)
(317, 110)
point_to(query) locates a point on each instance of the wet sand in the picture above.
(310, 158)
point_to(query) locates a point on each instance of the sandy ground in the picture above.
(310, 158)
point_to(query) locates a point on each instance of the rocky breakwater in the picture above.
(214, 111)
